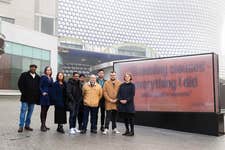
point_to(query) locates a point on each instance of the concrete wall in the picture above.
(20, 10)
(26, 12)
(47, 7)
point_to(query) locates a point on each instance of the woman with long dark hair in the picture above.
(59, 100)
(46, 84)
(126, 106)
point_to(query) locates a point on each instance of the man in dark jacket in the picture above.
(28, 85)
(74, 93)
(101, 81)
(81, 107)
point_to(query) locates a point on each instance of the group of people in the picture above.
(78, 97)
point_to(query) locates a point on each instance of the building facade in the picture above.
(29, 30)
(39, 15)
(91, 33)
(142, 27)
(22, 48)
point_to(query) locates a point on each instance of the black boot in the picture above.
(131, 121)
(43, 116)
(127, 127)
(43, 128)
(126, 133)
(60, 129)
(43, 120)
(130, 133)
(47, 127)
(83, 131)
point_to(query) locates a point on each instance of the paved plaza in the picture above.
(145, 138)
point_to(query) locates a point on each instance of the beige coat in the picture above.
(92, 95)
(110, 92)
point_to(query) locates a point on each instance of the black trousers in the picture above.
(111, 115)
(102, 110)
(43, 115)
(128, 121)
(81, 115)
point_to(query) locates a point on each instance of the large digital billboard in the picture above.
(175, 84)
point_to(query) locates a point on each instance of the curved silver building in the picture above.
(166, 27)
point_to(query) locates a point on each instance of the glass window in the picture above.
(8, 47)
(47, 25)
(16, 69)
(13, 65)
(26, 63)
(27, 51)
(16, 62)
(45, 55)
(16, 49)
(37, 53)
(5, 71)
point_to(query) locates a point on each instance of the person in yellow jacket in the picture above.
(92, 93)
(110, 91)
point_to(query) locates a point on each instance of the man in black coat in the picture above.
(74, 93)
(28, 85)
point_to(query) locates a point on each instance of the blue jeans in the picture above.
(94, 118)
(26, 111)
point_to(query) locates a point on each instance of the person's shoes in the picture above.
(106, 131)
(116, 131)
(102, 128)
(83, 131)
(20, 129)
(127, 132)
(43, 128)
(72, 131)
(60, 130)
(94, 131)
(47, 128)
(130, 134)
(28, 128)
(77, 130)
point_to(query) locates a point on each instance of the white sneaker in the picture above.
(106, 131)
(116, 131)
(76, 130)
(72, 131)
